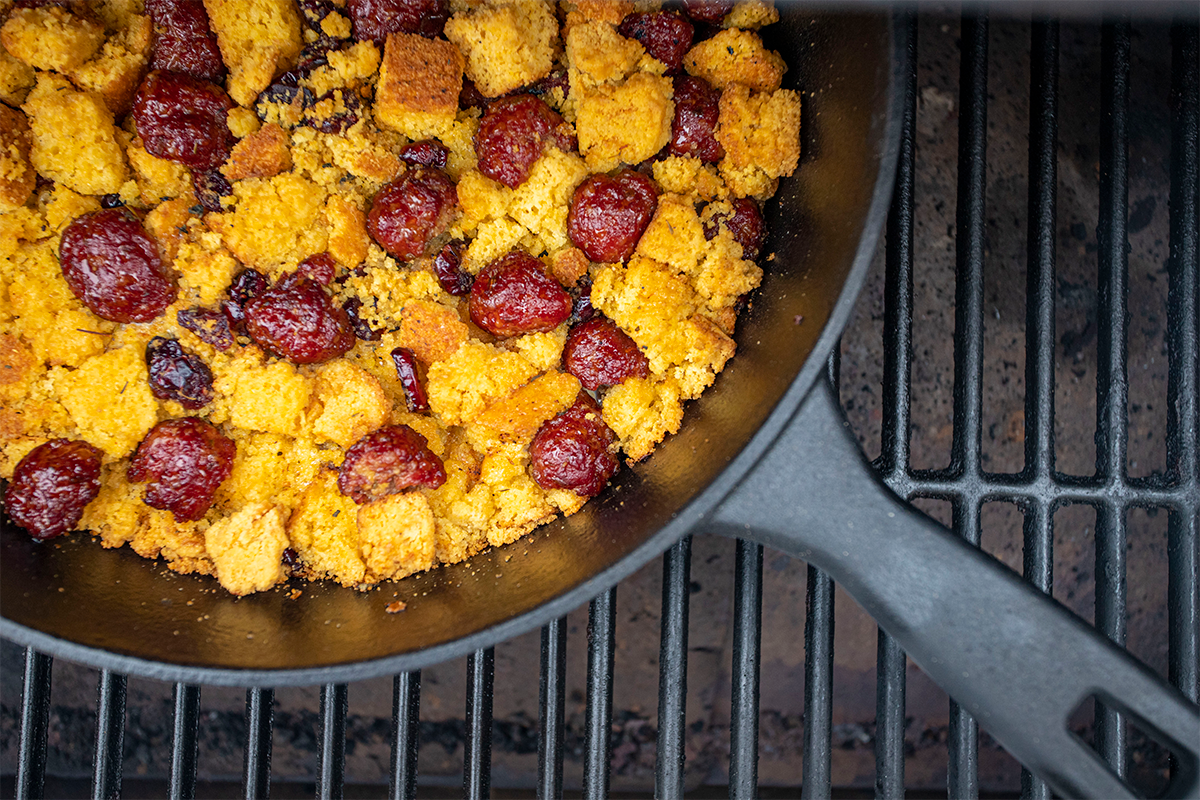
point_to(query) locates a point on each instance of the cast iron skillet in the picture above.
(762, 455)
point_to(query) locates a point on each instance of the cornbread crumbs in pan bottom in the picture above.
(336, 293)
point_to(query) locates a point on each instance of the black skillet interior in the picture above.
(109, 608)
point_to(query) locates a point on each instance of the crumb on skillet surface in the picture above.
(378, 428)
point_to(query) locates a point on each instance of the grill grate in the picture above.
(1039, 489)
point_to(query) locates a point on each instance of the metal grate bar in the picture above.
(110, 736)
(256, 763)
(332, 768)
(894, 453)
(35, 719)
(963, 769)
(184, 742)
(672, 670)
(1038, 545)
(477, 749)
(551, 702)
(406, 739)
(602, 627)
(747, 650)
(1182, 349)
(1112, 387)
(818, 684)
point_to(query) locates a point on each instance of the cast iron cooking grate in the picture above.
(1039, 489)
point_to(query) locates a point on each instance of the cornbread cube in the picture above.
(276, 223)
(760, 132)
(17, 177)
(610, 11)
(16, 78)
(205, 271)
(181, 544)
(481, 199)
(520, 504)
(269, 469)
(691, 177)
(109, 399)
(627, 123)
(642, 411)
(262, 154)
(157, 178)
(507, 46)
(352, 404)
(242, 121)
(540, 204)
(473, 378)
(433, 331)
(324, 531)
(751, 14)
(736, 56)
(115, 72)
(598, 54)
(50, 37)
(262, 397)
(247, 547)
(418, 87)
(396, 536)
(722, 277)
(493, 239)
(674, 235)
(543, 350)
(74, 141)
(117, 513)
(699, 349)
(348, 238)
(257, 39)
(517, 417)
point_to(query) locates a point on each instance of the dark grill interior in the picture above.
(1015, 493)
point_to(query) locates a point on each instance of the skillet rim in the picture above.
(686, 520)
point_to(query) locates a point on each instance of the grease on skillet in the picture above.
(384, 285)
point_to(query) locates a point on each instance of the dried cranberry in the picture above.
(210, 327)
(282, 94)
(447, 266)
(183, 40)
(178, 375)
(573, 450)
(514, 295)
(558, 79)
(375, 19)
(581, 307)
(609, 213)
(111, 201)
(210, 186)
(745, 224)
(693, 131)
(338, 121)
(291, 559)
(710, 11)
(181, 118)
(297, 319)
(511, 136)
(183, 461)
(388, 461)
(469, 95)
(411, 210)
(51, 486)
(320, 267)
(425, 153)
(114, 268)
(246, 285)
(357, 324)
(601, 354)
(406, 371)
(666, 35)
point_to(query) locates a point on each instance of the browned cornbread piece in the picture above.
(262, 154)
(16, 78)
(507, 45)
(257, 38)
(348, 237)
(74, 140)
(735, 56)
(599, 54)
(17, 177)
(50, 37)
(419, 82)
(751, 14)
(351, 404)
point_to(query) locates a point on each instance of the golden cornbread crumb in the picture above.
(74, 141)
(433, 331)
(674, 235)
(386, 292)
(506, 46)
(493, 239)
(272, 397)
(610, 11)
(62, 205)
(257, 38)
(348, 67)
(396, 535)
(115, 72)
(751, 14)
(540, 203)
(180, 543)
(481, 199)
(626, 123)
(520, 504)
(735, 56)
(598, 54)
(109, 399)
(242, 121)
(157, 178)
(419, 82)
(167, 224)
(691, 177)
(18, 368)
(276, 223)
(50, 37)
(247, 547)
(543, 350)
(262, 154)
(324, 531)
(17, 177)
(352, 404)
(117, 513)
(348, 237)
(16, 78)
(206, 271)
(517, 417)
(473, 378)
(642, 412)
(760, 132)
(270, 468)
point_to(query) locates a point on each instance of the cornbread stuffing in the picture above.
(369, 328)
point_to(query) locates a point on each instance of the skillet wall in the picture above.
(110, 608)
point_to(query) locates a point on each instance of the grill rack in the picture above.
(1039, 489)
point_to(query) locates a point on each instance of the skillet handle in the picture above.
(1016, 659)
